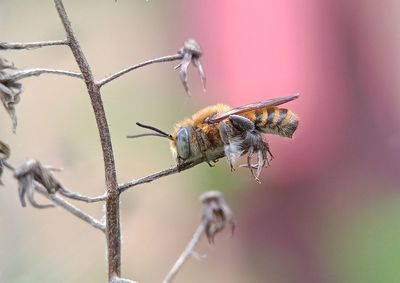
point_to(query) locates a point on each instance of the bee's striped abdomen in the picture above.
(282, 117)
(267, 117)
(277, 121)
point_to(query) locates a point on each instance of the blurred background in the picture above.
(328, 207)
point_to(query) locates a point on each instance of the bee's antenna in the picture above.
(145, 135)
(158, 133)
(152, 128)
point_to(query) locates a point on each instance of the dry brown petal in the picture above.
(191, 54)
(216, 214)
(4, 154)
(4, 151)
(10, 89)
(32, 174)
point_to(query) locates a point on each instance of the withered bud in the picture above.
(4, 151)
(191, 46)
(10, 89)
(191, 52)
(32, 174)
(4, 154)
(216, 214)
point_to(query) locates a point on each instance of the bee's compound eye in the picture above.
(182, 143)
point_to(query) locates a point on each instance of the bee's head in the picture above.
(182, 142)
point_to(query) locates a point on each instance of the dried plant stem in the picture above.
(187, 252)
(157, 175)
(30, 45)
(168, 58)
(8, 166)
(77, 196)
(113, 229)
(72, 209)
(22, 74)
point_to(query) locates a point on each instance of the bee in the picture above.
(218, 130)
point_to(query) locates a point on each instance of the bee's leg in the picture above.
(224, 132)
(250, 139)
(179, 163)
(254, 142)
(262, 160)
(203, 143)
(270, 154)
(209, 163)
(255, 169)
(242, 123)
(232, 148)
(249, 165)
(183, 164)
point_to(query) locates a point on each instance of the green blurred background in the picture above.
(327, 208)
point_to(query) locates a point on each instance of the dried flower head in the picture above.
(216, 214)
(4, 154)
(191, 52)
(10, 89)
(32, 174)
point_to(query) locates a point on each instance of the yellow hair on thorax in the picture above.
(197, 121)
(199, 117)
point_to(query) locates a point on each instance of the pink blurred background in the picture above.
(327, 209)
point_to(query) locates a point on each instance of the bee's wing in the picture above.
(248, 107)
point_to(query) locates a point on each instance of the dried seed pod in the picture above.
(216, 214)
(191, 52)
(32, 174)
(10, 89)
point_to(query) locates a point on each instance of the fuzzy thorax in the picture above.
(197, 121)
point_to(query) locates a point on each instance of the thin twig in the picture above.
(187, 252)
(72, 209)
(77, 196)
(113, 227)
(168, 58)
(22, 74)
(8, 166)
(30, 45)
(157, 175)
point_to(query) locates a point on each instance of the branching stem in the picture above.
(187, 252)
(30, 45)
(168, 58)
(22, 74)
(77, 196)
(113, 229)
(72, 209)
(157, 175)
